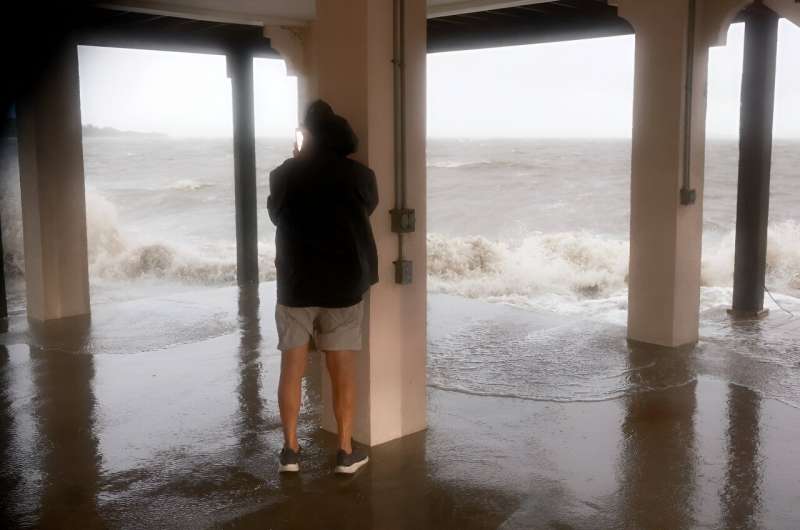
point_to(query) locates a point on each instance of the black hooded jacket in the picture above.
(320, 202)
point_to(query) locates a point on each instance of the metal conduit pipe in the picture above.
(688, 194)
(403, 219)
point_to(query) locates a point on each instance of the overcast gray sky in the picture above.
(571, 89)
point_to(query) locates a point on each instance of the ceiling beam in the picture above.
(196, 13)
(443, 9)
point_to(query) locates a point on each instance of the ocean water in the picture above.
(540, 224)
(521, 234)
(544, 223)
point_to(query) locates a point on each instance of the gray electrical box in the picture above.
(403, 220)
(403, 271)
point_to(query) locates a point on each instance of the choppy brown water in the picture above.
(535, 223)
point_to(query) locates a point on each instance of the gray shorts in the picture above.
(332, 328)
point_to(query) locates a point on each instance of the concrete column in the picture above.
(53, 194)
(755, 158)
(240, 70)
(664, 277)
(350, 62)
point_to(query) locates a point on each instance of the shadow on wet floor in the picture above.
(395, 490)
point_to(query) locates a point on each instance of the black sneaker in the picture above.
(347, 464)
(289, 461)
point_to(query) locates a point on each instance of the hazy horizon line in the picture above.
(134, 132)
(287, 138)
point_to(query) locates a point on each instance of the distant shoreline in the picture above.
(95, 131)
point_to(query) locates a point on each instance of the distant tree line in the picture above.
(8, 129)
(94, 130)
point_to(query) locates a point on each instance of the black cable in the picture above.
(776, 302)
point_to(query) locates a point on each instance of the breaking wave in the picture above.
(565, 272)
(582, 264)
(113, 255)
(783, 258)
(579, 272)
(188, 185)
(480, 164)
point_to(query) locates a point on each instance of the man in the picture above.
(320, 201)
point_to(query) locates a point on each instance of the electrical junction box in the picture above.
(403, 271)
(403, 220)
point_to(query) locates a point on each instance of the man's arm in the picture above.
(368, 190)
(277, 194)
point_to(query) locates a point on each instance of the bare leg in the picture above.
(342, 369)
(293, 365)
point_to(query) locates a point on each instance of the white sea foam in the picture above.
(479, 164)
(115, 255)
(579, 264)
(783, 258)
(568, 272)
(583, 273)
(447, 164)
(188, 185)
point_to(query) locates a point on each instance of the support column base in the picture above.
(739, 314)
(642, 346)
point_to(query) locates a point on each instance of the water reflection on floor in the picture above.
(162, 413)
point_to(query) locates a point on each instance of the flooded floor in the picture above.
(162, 413)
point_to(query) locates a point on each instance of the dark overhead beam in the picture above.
(566, 5)
(514, 26)
(532, 9)
(506, 14)
(446, 20)
(472, 16)
(109, 28)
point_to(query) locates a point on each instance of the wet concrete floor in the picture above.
(161, 413)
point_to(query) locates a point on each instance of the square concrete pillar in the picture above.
(349, 50)
(666, 236)
(53, 194)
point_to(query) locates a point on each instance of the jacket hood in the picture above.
(337, 135)
(329, 130)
